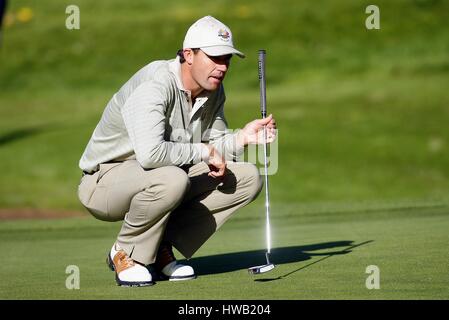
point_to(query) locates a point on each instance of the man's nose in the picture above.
(222, 66)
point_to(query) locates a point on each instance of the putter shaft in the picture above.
(263, 111)
(267, 197)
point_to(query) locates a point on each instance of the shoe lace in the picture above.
(125, 261)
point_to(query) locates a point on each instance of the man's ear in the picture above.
(188, 55)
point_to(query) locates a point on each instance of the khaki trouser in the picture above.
(184, 207)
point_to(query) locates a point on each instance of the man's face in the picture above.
(208, 72)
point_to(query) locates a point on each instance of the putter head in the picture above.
(261, 269)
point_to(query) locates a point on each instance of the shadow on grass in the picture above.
(19, 134)
(229, 262)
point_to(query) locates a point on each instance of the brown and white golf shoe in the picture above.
(168, 268)
(128, 273)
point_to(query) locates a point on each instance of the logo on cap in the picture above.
(224, 34)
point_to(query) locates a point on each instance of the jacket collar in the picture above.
(175, 68)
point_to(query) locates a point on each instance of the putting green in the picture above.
(318, 256)
(362, 174)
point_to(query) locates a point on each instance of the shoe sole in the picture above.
(182, 278)
(110, 263)
(126, 283)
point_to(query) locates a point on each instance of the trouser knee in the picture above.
(251, 180)
(172, 186)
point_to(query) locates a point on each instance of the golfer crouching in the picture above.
(163, 160)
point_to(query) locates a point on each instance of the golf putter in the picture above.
(263, 109)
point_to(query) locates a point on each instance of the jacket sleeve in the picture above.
(144, 117)
(224, 139)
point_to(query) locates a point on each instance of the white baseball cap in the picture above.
(211, 36)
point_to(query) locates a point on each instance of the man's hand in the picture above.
(216, 163)
(252, 133)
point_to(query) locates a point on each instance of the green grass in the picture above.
(361, 113)
(363, 145)
(319, 255)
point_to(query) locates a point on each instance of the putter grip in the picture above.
(263, 95)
